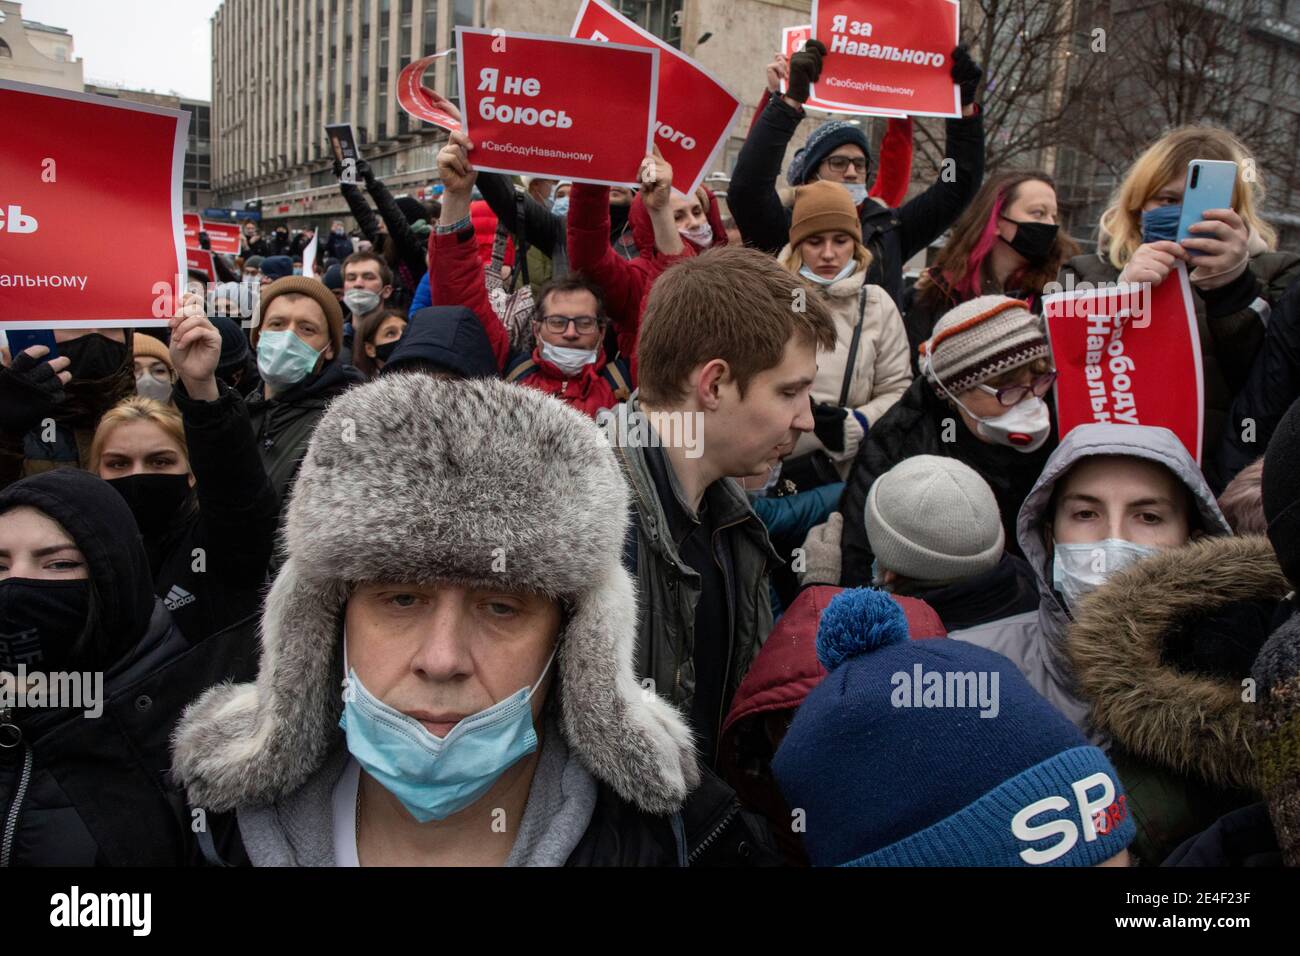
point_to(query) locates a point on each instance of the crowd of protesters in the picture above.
(569, 524)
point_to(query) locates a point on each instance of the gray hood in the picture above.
(1036, 641)
(1149, 442)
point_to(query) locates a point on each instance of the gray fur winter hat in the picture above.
(449, 472)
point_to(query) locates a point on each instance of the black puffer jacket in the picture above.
(892, 235)
(283, 424)
(916, 426)
(1270, 389)
(92, 791)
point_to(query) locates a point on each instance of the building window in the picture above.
(5, 51)
(462, 13)
(430, 27)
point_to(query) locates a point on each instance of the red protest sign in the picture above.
(424, 102)
(192, 225)
(201, 260)
(223, 237)
(793, 40)
(1128, 354)
(557, 107)
(885, 57)
(695, 110)
(65, 153)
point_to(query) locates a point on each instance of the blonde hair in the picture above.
(138, 409)
(793, 260)
(1119, 231)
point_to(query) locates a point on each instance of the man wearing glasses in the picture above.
(568, 360)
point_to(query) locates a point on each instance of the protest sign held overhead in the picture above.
(424, 102)
(200, 260)
(193, 226)
(1128, 354)
(125, 164)
(695, 111)
(792, 41)
(223, 237)
(886, 58)
(557, 107)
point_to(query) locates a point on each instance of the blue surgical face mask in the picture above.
(1161, 223)
(561, 206)
(850, 267)
(284, 359)
(1080, 568)
(858, 192)
(437, 777)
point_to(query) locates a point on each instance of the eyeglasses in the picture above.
(1015, 394)
(560, 323)
(841, 163)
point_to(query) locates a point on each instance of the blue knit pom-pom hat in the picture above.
(938, 753)
(823, 141)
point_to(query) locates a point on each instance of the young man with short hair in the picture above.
(297, 340)
(726, 363)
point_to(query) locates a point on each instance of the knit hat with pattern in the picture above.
(979, 340)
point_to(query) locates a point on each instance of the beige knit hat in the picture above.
(823, 207)
(979, 340)
(147, 345)
(304, 285)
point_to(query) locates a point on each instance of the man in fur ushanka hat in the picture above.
(453, 552)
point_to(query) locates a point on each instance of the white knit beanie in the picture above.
(934, 520)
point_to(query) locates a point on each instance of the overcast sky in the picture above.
(159, 45)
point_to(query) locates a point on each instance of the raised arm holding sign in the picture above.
(555, 107)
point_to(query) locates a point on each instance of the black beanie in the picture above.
(1281, 493)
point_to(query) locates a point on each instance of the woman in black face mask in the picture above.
(49, 407)
(1007, 242)
(376, 339)
(194, 481)
(93, 676)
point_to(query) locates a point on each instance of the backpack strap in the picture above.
(853, 347)
(521, 369)
(617, 375)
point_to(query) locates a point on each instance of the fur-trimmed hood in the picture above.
(1188, 722)
(1036, 640)
(452, 477)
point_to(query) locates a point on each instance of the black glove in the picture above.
(29, 391)
(338, 170)
(805, 68)
(829, 425)
(365, 172)
(966, 73)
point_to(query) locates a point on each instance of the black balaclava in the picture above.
(103, 528)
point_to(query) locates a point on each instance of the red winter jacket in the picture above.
(485, 233)
(624, 283)
(782, 675)
(456, 278)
